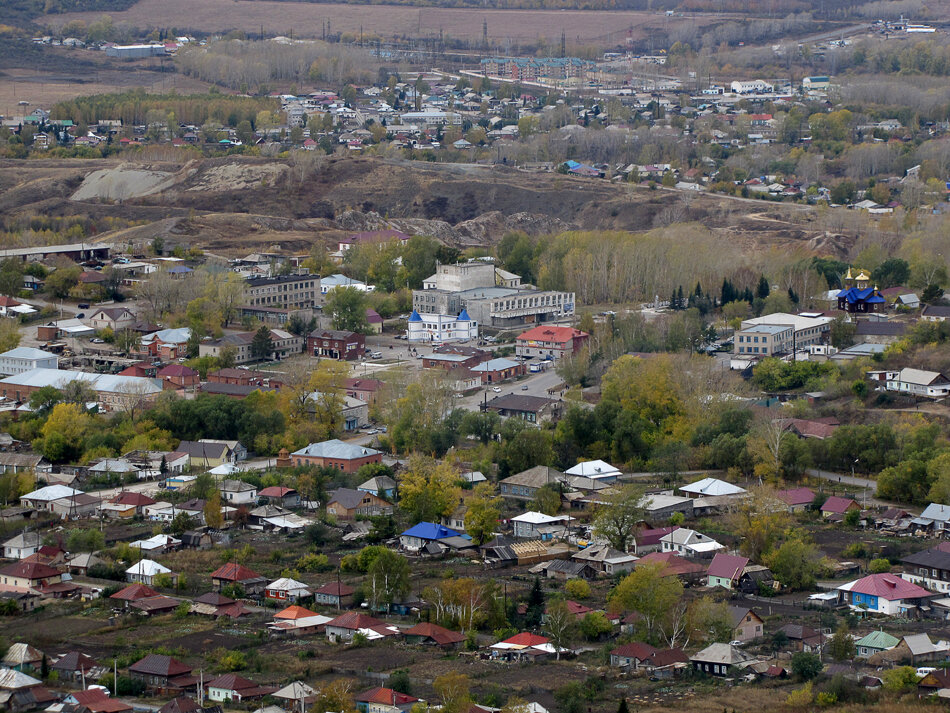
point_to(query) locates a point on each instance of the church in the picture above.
(858, 296)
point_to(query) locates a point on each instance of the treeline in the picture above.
(137, 107)
(247, 65)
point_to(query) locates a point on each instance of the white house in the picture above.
(287, 590)
(711, 487)
(533, 525)
(145, 571)
(237, 492)
(23, 359)
(595, 470)
(157, 544)
(441, 327)
(23, 545)
(755, 86)
(918, 382)
(43, 498)
(689, 543)
(883, 594)
(333, 281)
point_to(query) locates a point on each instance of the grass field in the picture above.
(45, 88)
(306, 20)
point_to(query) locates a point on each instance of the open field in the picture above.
(44, 88)
(306, 20)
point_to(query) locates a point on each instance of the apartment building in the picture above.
(299, 291)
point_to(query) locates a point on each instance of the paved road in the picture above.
(853, 481)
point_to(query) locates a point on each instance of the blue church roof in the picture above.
(414, 317)
(853, 294)
(430, 531)
(463, 316)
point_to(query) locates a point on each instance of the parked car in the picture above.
(496, 389)
(83, 305)
(98, 341)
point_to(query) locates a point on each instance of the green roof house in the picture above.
(874, 642)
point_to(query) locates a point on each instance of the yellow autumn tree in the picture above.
(428, 490)
(64, 433)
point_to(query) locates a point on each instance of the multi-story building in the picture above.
(527, 69)
(21, 359)
(336, 344)
(114, 392)
(283, 344)
(489, 296)
(784, 333)
(285, 291)
(553, 342)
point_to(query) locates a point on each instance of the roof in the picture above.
(276, 491)
(525, 638)
(727, 566)
(936, 512)
(560, 335)
(287, 584)
(335, 589)
(335, 448)
(25, 539)
(160, 665)
(231, 682)
(496, 364)
(384, 696)
(113, 383)
(430, 531)
(29, 570)
(379, 482)
(50, 493)
(721, 654)
(796, 496)
(634, 650)
(673, 565)
(214, 599)
(27, 353)
(711, 487)
(127, 497)
(234, 572)
(878, 640)
(147, 568)
(593, 469)
(886, 586)
(354, 620)
(11, 680)
(134, 592)
(536, 477)
(347, 497)
(439, 634)
(519, 402)
(295, 612)
(19, 654)
(837, 504)
(920, 377)
(177, 370)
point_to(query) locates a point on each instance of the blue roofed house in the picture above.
(421, 534)
(858, 295)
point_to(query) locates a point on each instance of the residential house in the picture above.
(648, 540)
(533, 525)
(178, 376)
(605, 559)
(232, 688)
(75, 666)
(44, 498)
(346, 504)
(22, 657)
(918, 382)
(145, 571)
(631, 656)
(689, 543)
(933, 683)
(721, 660)
(421, 534)
(935, 313)
(237, 492)
(428, 633)
(935, 516)
(94, 700)
(335, 453)
(22, 546)
(525, 485)
(746, 624)
(875, 642)
(114, 318)
(884, 594)
(929, 568)
(348, 624)
(725, 570)
(233, 573)
(564, 570)
(29, 576)
(915, 648)
(523, 647)
(672, 565)
(286, 590)
(495, 371)
(384, 700)
(363, 389)
(133, 593)
(382, 486)
(159, 671)
(711, 487)
(797, 499)
(204, 454)
(595, 470)
(334, 594)
(837, 505)
(280, 495)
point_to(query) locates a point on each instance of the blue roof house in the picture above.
(421, 534)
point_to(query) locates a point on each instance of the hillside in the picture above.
(235, 204)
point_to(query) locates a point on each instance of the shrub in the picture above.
(879, 565)
(577, 589)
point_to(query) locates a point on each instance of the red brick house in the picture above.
(336, 344)
(555, 342)
(178, 376)
(335, 453)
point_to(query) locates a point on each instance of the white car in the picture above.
(496, 389)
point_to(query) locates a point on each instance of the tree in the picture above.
(535, 604)
(64, 432)
(335, 697)
(11, 277)
(547, 499)
(346, 307)
(44, 398)
(203, 487)
(759, 521)
(9, 334)
(261, 344)
(932, 293)
(595, 624)
(841, 645)
(481, 518)
(453, 689)
(651, 594)
(577, 589)
(796, 564)
(900, 679)
(893, 272)
(388, 578)
(428, 490)
(615, 519)
(62, 280)
(806, 665)
(560, 625)
(212, 510)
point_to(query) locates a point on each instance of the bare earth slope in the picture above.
(235, 204)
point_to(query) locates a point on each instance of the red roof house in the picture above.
(555, 342)
(426, 632)
(725, 570)
(836, 505)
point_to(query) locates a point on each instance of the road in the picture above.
(853, 481)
